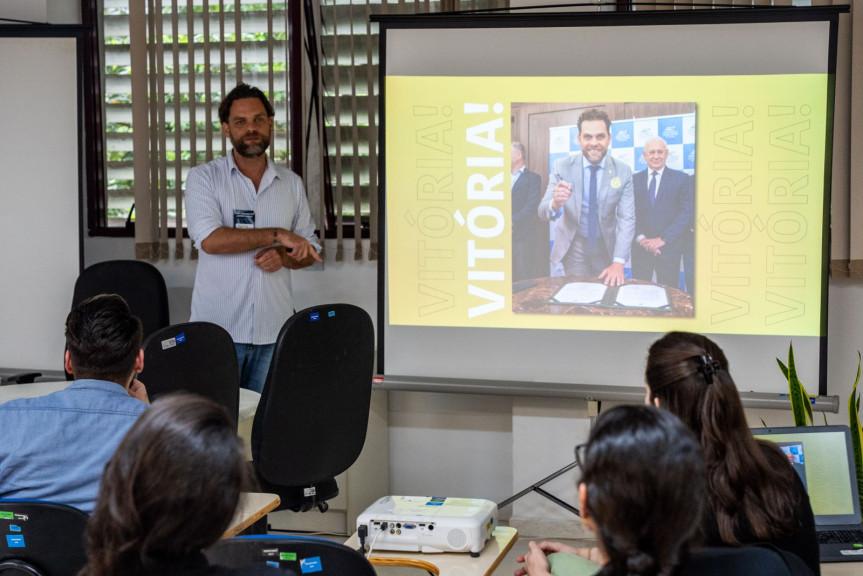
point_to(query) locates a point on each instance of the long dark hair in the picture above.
(169, 491)
(745, 480)
(644, 476)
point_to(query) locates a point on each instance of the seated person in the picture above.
(754, 495)
(169, 492)
(642, 492)
(54, 447)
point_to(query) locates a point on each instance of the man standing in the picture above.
(54, 447)
(664, 212)
(526, 231)
(589, 195)
(251, 221)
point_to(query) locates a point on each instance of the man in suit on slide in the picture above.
(664, 212)
(526, 228)
(590, 197)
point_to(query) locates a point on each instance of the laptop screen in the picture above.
(822, 457)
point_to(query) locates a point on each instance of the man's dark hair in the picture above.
(241, 91)
(593, 114)
(103, 338)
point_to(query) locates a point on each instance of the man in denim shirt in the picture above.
(55, 447)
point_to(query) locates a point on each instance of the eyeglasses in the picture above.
(580, 454)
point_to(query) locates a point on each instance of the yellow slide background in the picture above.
(759, 199)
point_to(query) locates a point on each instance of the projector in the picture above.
(429, 524)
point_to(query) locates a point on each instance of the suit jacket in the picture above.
(672, 214)
(526, 194)
(615, 200)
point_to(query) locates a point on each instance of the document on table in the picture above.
(642, 296)
(584, 293)
(648, 296)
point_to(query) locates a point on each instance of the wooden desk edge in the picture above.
(235, 529)
(511, 536)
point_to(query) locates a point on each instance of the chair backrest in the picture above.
(196, 357)
(757, 560)
(295, 555)
(139, 283)
(41, 538)
(310, 424)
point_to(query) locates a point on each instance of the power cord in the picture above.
(362, 532)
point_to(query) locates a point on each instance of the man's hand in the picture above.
(269, 259)
(138, 391)
(613, 275)
(300, 249)
(652, 245)
(562, 192)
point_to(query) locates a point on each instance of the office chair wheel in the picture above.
(18, 568)
(323, 507)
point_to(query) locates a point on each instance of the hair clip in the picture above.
(707, 367)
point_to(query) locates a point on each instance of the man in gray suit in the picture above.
(590, 197)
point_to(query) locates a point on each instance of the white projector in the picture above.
(422, 524)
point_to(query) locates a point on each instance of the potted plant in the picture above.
(801, 407)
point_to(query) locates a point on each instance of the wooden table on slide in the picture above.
(535, 297)
(253, 506)
(448, 563)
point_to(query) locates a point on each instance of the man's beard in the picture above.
(252, 150)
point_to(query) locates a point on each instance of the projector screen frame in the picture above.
(521, 19)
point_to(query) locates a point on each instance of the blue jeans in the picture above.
(254, 363)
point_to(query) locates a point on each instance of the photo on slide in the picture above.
(643, 227)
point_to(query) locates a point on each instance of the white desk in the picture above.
(246, 415)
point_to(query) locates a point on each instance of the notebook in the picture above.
(822, 457)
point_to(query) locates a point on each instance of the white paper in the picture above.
(642, 296)
(586, 293)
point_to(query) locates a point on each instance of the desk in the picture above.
(252, 507)
(449, 563)
(246, 415)
(534, 297)
(842, 569)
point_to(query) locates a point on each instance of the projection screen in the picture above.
(743, 101)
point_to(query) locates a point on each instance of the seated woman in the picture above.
(753, 495)
(169, 491)
(641, 491)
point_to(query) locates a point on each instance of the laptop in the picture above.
(823, 458)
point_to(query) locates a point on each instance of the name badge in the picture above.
(244, 219)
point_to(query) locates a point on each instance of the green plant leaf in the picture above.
(801, 406)
(856, 429)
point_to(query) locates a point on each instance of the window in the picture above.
(160, 123)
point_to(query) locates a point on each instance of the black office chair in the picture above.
(139, 283)
(41, 538)
(196, 357)
(310, 424)
(296, 555)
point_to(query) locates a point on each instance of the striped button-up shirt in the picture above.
(252, 305)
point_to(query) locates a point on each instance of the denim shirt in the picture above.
(55, 447)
